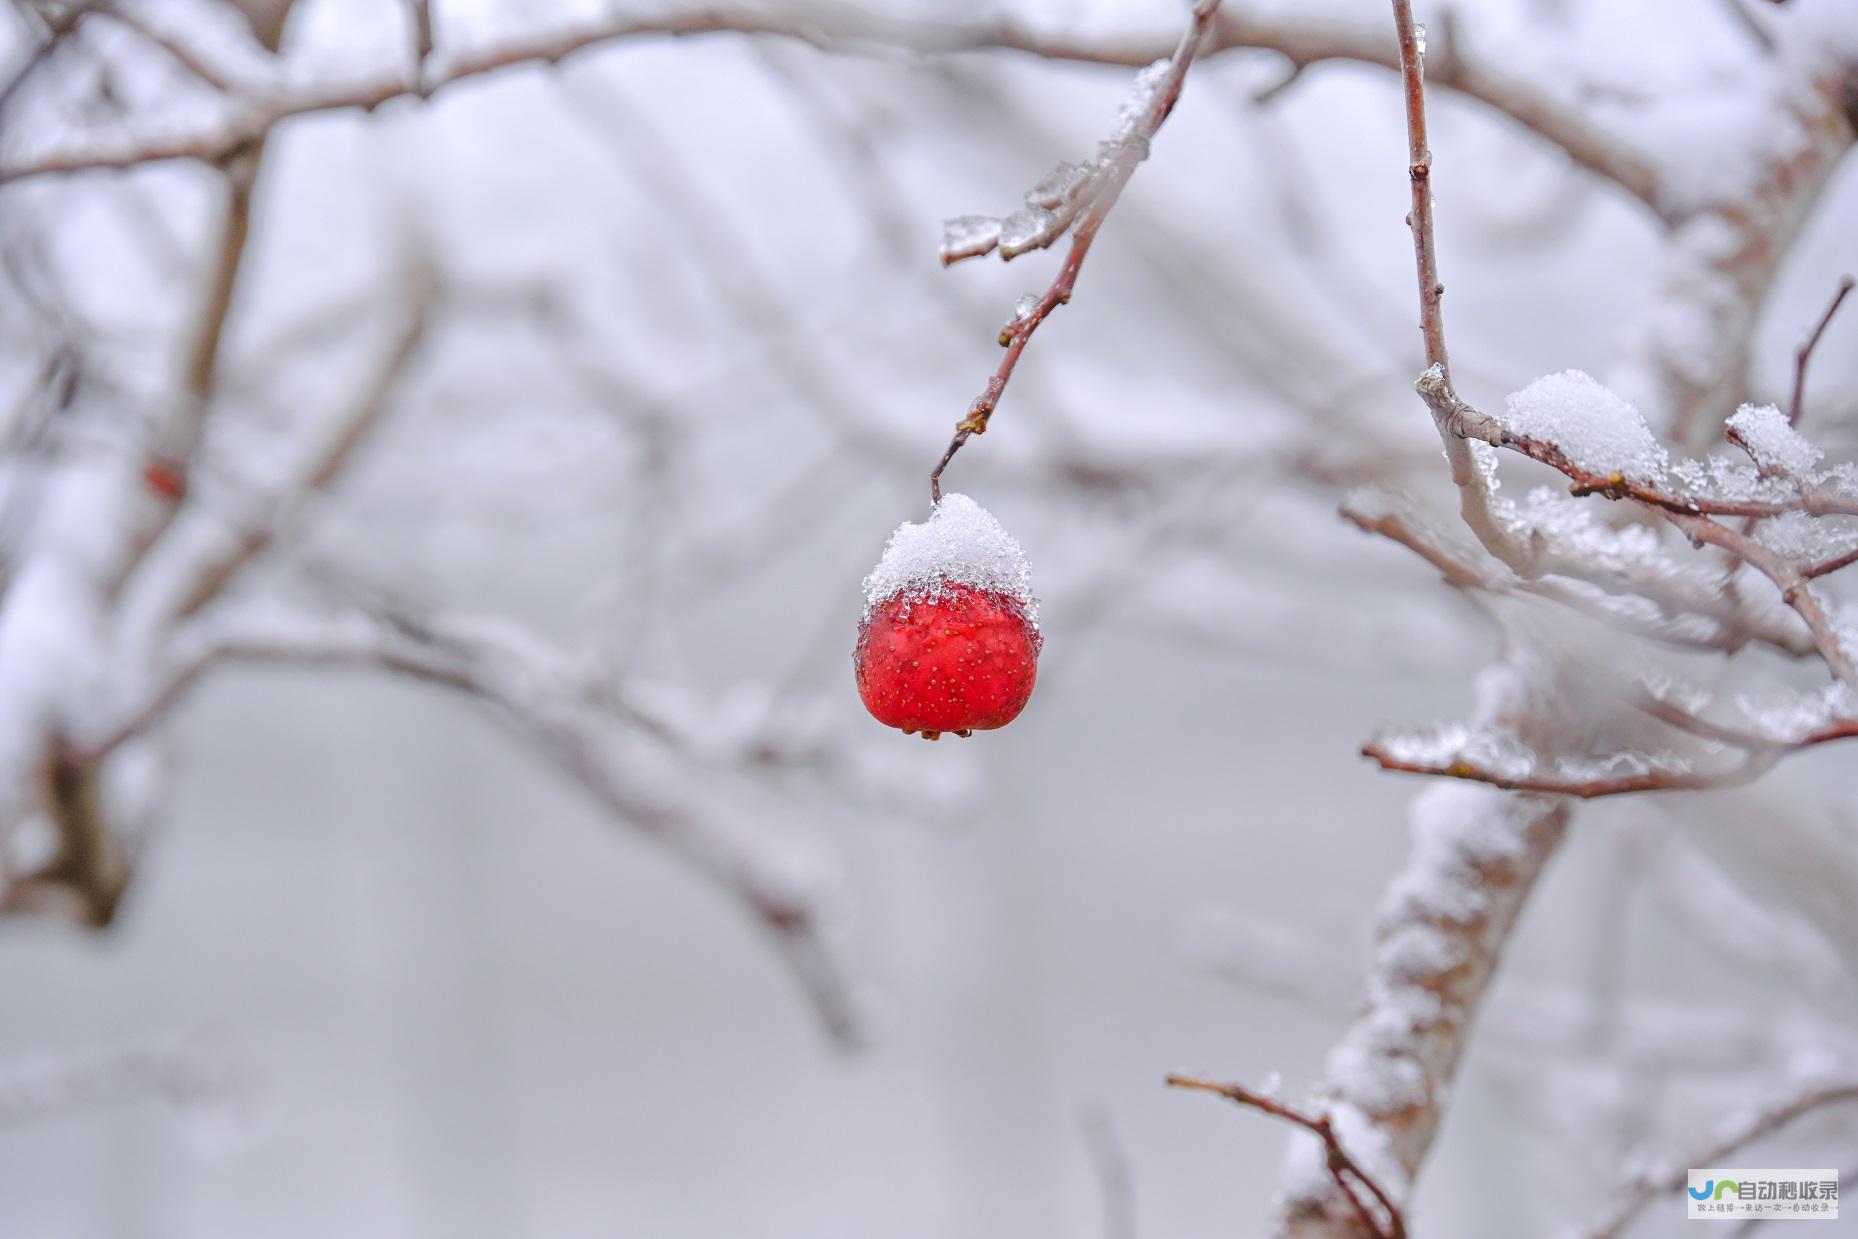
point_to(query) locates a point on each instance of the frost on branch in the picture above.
(960, 544)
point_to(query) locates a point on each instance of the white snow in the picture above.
(1593, 427)
(1808, 538)
(1772, 440)
(960, 544)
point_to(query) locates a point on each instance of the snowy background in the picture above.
(383, 972)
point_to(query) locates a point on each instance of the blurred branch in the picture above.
(1672, 1174)
(179, 440)
(1115, 1183)
(1803, 357)
(544, 697)
(337, 438)
(1787, 578)
(1301, 39)
(1753, 28)
(178, 50)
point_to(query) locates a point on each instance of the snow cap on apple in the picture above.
(949, 640)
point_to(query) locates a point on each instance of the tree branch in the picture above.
(1301, 40)
(1101, 191)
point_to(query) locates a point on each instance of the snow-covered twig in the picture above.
(1085, 193)
(1440, 931)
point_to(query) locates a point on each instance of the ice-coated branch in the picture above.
(1384, 1221)
(1086, 193)
(1670, 1174)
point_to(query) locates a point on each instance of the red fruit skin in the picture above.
(965, 660)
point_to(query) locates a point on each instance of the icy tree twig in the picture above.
(1101, 191)
(1670, 1175)
(1344, 1171)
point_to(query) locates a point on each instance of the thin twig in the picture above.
(1107, 189)
(1787, 578)
(1635, 1195)
(1805, 353)
(1419, 175)
(419, 24)
(1756, 30)
(1342, 1168)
